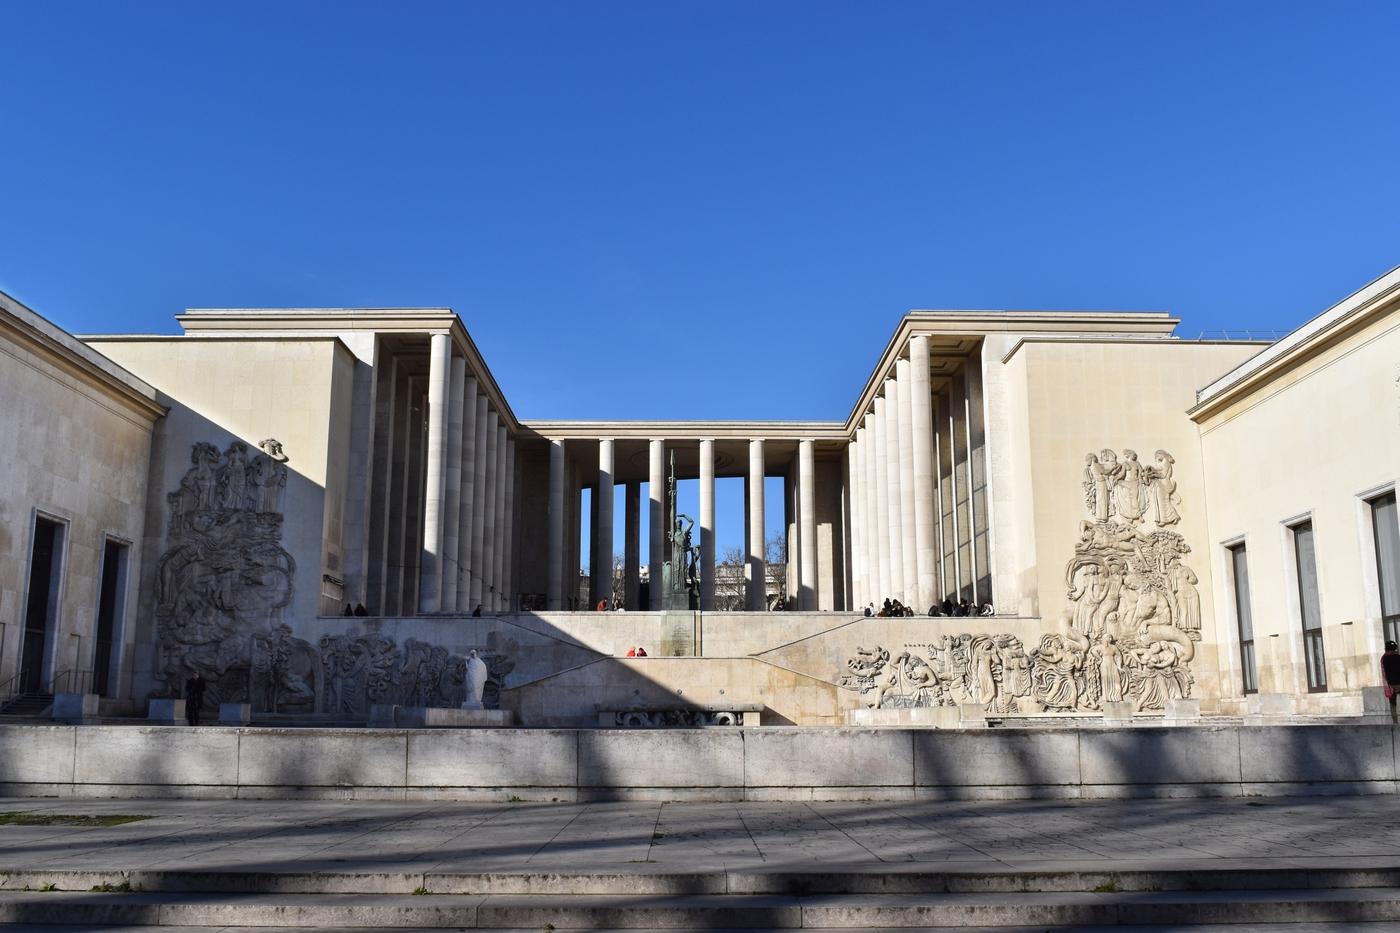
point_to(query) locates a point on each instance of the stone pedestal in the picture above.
(76, 709)
(1374, 706)
(166, 712)
(235, 714)
(1118, 712)
(972, 715)
(1267, 706)
(1181, 711)
(387, 716)
(1028, 706)
(941, 717)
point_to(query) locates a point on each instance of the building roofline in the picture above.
(1314, 335)
(42, 336)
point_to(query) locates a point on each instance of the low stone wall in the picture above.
(697, 764)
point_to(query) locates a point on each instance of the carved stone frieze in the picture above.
(223, 581)
(1129, 633)
(675, 718)
(364, 670)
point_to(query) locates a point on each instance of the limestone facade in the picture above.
(1086, 477)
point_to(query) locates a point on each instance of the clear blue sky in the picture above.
(771, 184)
(767, 185)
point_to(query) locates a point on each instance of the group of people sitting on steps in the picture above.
(893, 608)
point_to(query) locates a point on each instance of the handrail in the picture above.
(76, 681)
(9, 688)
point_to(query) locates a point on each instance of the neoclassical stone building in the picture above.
(1150, 518)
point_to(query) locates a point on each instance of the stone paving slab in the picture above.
(404, 839)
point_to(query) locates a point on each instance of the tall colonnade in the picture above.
(441, 528)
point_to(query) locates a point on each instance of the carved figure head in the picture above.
(1108, 457)
(1130, 455)
(273, 448)
(1162, 457)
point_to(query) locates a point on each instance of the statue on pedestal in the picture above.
(475, 682)
(680, 584)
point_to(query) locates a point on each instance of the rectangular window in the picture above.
(1304, 553)
(1387, 533)
(1249, 671)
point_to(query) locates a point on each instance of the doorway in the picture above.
(41, 608)
(111, 604)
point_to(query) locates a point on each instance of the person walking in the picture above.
(194, 697)
(1390, 674)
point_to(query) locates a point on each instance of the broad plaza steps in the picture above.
(699, 764)
(1305, 865)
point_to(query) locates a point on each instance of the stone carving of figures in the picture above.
(1156, 676)
(1163, 493)
(1086, 592)
(476, 681)
(202, 477)
(1110, 670)
(981, 686)
(1052, 674)
(270, 481)
(1097, 494)
(1128, 495)
(1188, 598)
(233, 478)
(1015, 668)
(1112, 472)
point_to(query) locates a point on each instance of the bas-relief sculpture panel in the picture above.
(1130, 632)
(223, 583)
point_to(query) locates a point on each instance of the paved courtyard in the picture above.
(370, 837)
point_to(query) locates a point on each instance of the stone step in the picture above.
(593, 912)
(853, 880)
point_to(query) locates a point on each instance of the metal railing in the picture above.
(71, 682)
(1254, 334)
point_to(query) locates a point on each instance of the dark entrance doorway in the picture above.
(110, 603)
(41, 610)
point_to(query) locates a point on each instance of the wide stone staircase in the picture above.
(1302, 899)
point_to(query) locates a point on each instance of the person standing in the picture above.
(1390, 674)
(194, 697)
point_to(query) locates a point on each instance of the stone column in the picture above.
(894, 500)
(603, 569)
(707, 524)
(971, 485)
(498, 556)
(758, 571)
(464, 497)
(656, 518)
(556, 525)
(452, 500)
(957, 589)
(434, 503)
(882, 502)
(806, 526)
(940, 535)
(856, 531)
(872, 511)
(632, 547)
(478, 558)
(908, 548)
(925, 542)
(488, 534)
(508, 550)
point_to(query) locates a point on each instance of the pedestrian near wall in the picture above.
(194, 697)
(1390, 674)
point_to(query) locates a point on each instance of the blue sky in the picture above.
(758, 189)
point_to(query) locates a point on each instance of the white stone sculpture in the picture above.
(475, 683)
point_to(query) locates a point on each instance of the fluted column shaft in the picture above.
(894, 501)
(452, 499)
(882, 501)
(498, 555)
(707, 524)
(908, 546)
(479, 502)
(434, 523)
(465, 495)
(856, 534)
(656, 519)
(632, 547)
(488, 546)
(758, 570)
(603, 563)
(555, 583)
(925, 540)
(508, 539)
(806, 526)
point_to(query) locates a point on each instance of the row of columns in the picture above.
(914, 517)
(561, 575)
(469, 500)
